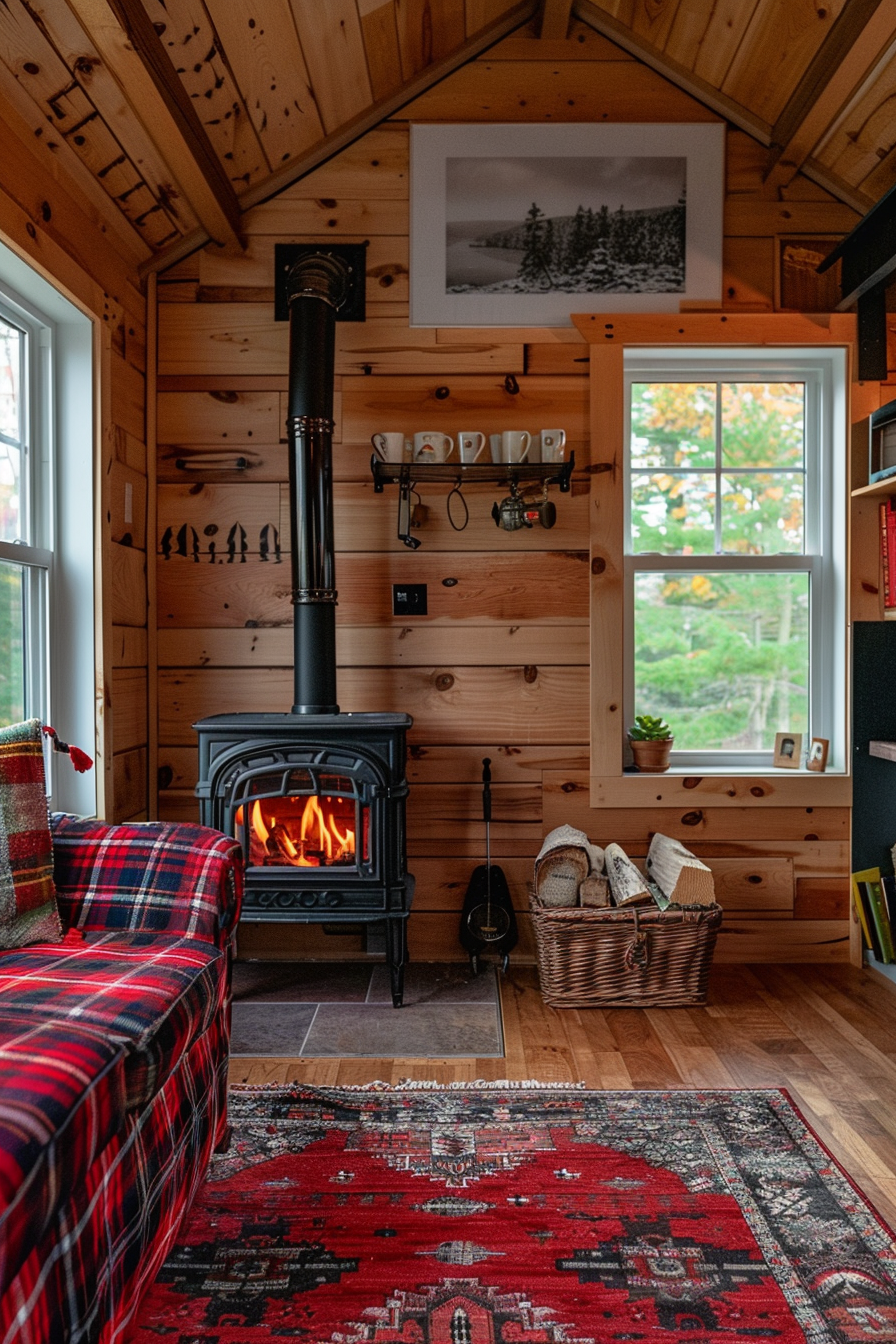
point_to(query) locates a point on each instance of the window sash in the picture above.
(817, 560)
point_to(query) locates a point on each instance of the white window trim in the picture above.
(825, 371)
(66, 437)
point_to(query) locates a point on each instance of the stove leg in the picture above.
(397, 945)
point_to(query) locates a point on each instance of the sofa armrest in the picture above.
(150, 876)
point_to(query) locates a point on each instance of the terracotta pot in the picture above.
(652, 757)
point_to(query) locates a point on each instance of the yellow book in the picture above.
(863, 915)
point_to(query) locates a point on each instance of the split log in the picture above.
(626, 882)
(594, 892)
(678, 873)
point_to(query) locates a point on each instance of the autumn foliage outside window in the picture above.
(725, 539)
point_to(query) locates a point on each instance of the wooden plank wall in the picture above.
(499, 667)
(55, 216)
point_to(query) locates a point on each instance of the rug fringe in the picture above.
(412, 1085)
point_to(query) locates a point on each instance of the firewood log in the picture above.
(678, 873)
(594, 892)
(626, 883)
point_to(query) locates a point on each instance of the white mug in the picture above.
(553, 445)
(470, 445)
(515, 445)
(494, 441)
(431, 446)
(389, 446)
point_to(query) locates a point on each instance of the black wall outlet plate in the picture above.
(353, 254)
(409, 599)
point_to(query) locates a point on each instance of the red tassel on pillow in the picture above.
(79, 759)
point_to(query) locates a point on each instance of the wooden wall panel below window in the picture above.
(452, 703)
(471, 586)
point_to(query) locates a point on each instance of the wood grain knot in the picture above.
(511, 386)
(530, 674)
(757, 791)
(754, 878)
(692, 782)
(692, 819)
(810, 836)
(570, 787)
(598, 565)
(444, 681)
(442, 393)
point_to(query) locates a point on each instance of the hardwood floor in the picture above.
(825, 1033)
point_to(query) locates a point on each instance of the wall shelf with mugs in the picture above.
(432, 457)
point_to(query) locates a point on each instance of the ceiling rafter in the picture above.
(125, 38)
(862, 33)
(346, 135)
(555, 16)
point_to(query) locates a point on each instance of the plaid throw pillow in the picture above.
(28, 912)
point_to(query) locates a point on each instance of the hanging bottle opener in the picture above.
(405, 490)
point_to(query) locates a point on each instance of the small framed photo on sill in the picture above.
(817, 758)
(788, 750)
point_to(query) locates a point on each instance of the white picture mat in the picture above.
(701, 145)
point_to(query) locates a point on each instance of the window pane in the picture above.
(763, 425)
(673, 425)
(762, 514)
(673, 514)
(724, 657)
(10, 427)
(12, 643)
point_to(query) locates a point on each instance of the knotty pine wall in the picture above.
(500, 665)
(55, 216)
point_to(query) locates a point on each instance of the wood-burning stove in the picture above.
(316, 797)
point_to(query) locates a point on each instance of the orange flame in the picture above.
(313, 839)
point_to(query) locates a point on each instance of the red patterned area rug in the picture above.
(495, 1214)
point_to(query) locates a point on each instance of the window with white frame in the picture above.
(48, 632)
(25, 515)
(735, 549)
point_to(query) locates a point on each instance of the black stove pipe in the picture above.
(317, 287)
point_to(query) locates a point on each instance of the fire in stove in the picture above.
(302, 832)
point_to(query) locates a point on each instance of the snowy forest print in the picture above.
(593, 225)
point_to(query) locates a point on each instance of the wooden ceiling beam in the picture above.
(555, 16)
(863, 32)
(125, 38)
(346, 135)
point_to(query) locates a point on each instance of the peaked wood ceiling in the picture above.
(176, 116)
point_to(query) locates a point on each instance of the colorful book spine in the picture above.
(890, 567)
(881, 920)
(860, 910)
(885, 555)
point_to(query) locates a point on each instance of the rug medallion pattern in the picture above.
(500, 1215)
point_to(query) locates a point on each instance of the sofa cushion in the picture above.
(150, 994)
(28, 910)
(61, 1101)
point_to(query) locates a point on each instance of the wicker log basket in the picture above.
(631, 957)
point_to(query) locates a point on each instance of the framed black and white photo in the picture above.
(788, 750)
(522, 225)
(817, 756)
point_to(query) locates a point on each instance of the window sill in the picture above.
(722, 787)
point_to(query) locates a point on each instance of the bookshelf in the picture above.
(880, 488)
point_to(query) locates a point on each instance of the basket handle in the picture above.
(637, 954)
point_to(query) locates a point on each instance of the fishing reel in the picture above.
(516, 511)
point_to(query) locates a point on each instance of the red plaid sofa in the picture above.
(113, 1073)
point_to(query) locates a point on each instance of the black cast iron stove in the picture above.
(315, 797)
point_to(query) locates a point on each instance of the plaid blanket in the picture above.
(113, 1063)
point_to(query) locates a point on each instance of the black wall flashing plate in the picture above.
(353, 254)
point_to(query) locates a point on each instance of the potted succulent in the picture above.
(651, 742)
